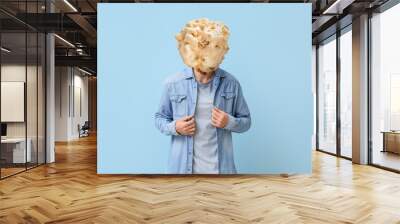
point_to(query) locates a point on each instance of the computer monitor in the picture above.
(3, 129)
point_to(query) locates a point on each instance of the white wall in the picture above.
(16, 72)
(62, 82)
(80, 89)
(71, 87)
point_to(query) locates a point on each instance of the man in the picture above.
(202, 105)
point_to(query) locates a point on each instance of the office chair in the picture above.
(84, 130)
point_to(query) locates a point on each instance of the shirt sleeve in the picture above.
(164, 116)
(241, 119)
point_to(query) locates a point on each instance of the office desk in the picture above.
(13, 150)
(391, 141)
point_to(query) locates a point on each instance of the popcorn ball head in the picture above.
(203, 43)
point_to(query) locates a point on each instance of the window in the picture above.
(385, 89)
(346, 92)
(327, 96)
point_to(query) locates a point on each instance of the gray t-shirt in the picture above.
(205, 145)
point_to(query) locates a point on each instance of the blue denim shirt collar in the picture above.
(188, 73)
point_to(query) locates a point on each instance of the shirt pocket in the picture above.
(227, 101)
(179, 105)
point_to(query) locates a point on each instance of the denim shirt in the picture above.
(179, 100)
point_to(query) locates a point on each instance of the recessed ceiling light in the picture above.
(5, 50)
(84, 71)
(64, 40)
(70, 5)
(337, 7)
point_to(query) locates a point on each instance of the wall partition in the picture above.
(270, 151)
(22, 89)
(14, 153)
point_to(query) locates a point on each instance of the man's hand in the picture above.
(186, 125)
(219, 118)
